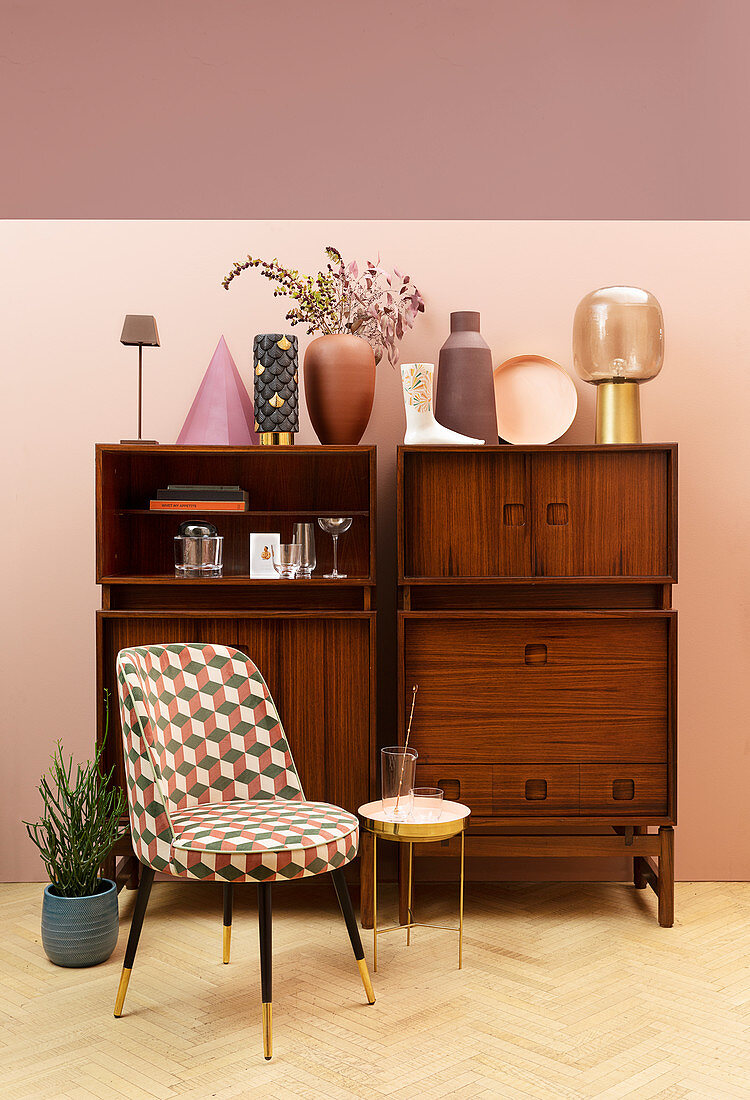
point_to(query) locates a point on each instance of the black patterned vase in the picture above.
(276, 392)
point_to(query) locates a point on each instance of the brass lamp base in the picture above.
(618, 413)
(277, 439)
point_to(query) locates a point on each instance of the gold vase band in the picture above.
(277, 439)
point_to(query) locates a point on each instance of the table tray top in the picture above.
(451, 822)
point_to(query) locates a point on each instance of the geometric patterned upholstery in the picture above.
(213, 792)
(262, 840)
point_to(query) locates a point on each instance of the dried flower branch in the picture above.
(378, 305)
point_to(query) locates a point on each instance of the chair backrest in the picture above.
(199, 725)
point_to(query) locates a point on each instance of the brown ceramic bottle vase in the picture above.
(465, 391)
(339, 375)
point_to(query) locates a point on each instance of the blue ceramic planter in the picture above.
(80, 931)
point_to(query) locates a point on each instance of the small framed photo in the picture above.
(261, 564)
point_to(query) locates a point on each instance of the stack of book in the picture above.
(200, 498)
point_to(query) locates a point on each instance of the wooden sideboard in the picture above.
(535, 615)
(313, 640)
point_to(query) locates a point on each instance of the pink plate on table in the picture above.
(535, 399)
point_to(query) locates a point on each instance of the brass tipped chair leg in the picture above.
(264, 929)
(227, 940)
(144, 890)
(365, 975)
(268, 1031)
(122, 990)
(345, 902)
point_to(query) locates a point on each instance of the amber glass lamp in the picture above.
(618, 343)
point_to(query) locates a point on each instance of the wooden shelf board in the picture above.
(234, 513)
(533, 448)
(221, 449)
(544, 581)
(240, 578)
(231, 614)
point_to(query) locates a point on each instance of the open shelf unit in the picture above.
(313, 639)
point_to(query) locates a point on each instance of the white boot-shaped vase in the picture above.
(421, 426)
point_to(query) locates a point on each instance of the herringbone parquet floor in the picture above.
(567, 992)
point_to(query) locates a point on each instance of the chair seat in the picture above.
(261, 840)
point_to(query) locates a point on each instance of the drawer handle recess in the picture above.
(535, 654)
(451, 788)
(536, 790)
(557, 514)
(623, 790)
(514, 515)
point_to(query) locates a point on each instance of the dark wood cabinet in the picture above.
(535, 615)
(313, 640)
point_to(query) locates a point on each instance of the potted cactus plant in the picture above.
(361, 314)
(76, 831)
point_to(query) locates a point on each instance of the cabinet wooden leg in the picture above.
(639, 877)
(365, 879)
(666, 876)
(403, 883)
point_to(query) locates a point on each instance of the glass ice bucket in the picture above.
(198, 551)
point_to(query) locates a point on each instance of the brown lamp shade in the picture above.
(139, 330)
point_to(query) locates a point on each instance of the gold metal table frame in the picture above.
(453, 821)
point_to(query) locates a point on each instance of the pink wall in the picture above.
(68, 383)
(426, 109)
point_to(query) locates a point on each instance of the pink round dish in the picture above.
(535, 400)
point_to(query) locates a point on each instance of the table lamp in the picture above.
(139, 330)
(618, 343)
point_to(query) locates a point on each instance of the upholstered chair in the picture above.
(214, 795)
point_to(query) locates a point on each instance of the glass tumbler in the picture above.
(304, 534)
(397, 779)
(286, 559)
(427, 803)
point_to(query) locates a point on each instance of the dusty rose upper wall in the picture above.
(67, 383)
(432, 108)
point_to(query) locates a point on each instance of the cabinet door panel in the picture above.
(623, 788)
(535, 790)
(600, 514)
(562, 688)
(473, 525)
(317, 670)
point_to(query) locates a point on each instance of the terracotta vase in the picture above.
(465, 389)
(339, 376)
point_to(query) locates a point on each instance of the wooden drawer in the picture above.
(566, 687)
(470, 785)
(623, 788)
(535, 789)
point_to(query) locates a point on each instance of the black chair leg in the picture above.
(264, 927)
(345, 901)
(228, 896)
(141, 901)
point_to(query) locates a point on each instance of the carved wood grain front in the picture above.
(590, 688)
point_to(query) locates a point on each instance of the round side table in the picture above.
(453, 820)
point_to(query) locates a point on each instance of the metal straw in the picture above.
(414, 691)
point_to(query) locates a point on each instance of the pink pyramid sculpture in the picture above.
(222, 411)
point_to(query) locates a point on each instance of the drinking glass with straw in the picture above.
(397, 767)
